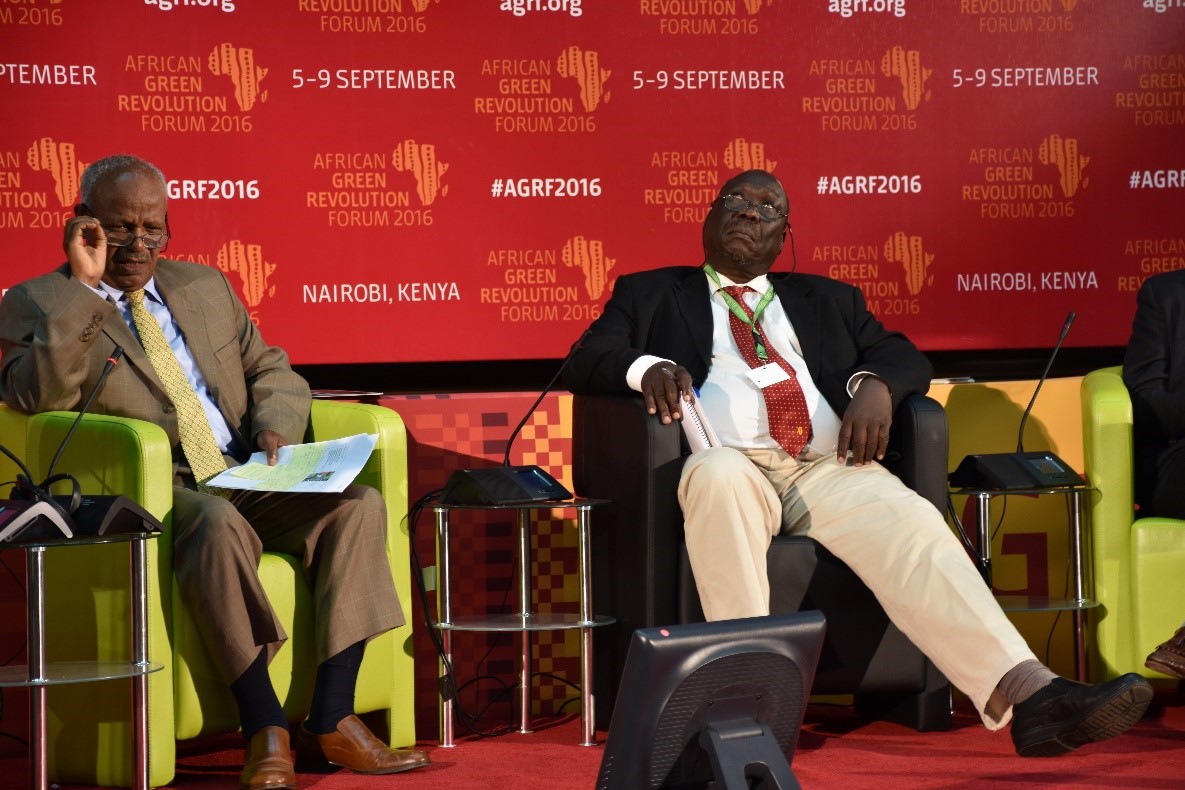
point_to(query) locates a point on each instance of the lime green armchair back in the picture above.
(1137, 562)
(87, 600)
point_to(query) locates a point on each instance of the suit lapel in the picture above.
(192, 322)
(803, 312)
(133, 353)
(693, 296)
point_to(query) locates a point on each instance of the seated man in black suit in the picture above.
(1154, 372)
(800, 382)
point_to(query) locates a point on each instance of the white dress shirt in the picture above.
(733, 403)
(160, 311)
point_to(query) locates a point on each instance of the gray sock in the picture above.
(1024, 680)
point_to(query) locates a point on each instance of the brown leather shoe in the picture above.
(1169, 658)
(355, 747)
(268, 764)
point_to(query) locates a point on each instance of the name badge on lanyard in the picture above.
(768, 375)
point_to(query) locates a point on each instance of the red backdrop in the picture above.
(413, 180)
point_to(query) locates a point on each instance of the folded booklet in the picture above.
(696, 427)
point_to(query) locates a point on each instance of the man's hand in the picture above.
(270, 442)
(865, 426)
(85, 244)
(665, 386)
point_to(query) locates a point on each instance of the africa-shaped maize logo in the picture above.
(420, 159)
(1063, 152)
(741, 154)
(906, 66)
(584, 67)
(61, 162)
(246, 260)
(588, 255)
(914, 260)
(238, 63)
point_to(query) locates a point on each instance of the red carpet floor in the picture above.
(836, 750)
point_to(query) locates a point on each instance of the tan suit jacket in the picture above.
(56, 334)
(55, 337)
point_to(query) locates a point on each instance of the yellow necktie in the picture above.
(197, 438)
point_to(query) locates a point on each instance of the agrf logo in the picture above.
(588, 256)
(1063, 153)
(585, 67)
(741, 154)
(246, 260)
(238, 64)
(909, 253)
(906, 66)
(420, 160)
(885, 298)
(61, 162)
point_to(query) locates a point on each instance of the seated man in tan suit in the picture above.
(800, 382)
(197, 366)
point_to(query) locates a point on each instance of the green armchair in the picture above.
(90, 733)
(1137, 562)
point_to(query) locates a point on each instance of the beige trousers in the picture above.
(734, 502)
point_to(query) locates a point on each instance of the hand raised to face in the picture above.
(85, 245)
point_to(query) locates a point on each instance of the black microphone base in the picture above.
(502, 485)
(1014, 471)
(110, 515)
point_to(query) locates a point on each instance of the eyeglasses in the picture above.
(736, 203)
(122, 237)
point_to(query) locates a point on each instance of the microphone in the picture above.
(74, 512)
(506, 484)
(1020, 435)
(1020, 470)
(112, 361)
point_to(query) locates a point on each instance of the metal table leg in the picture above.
(139, 575)
(587, 727)
(1079, 579)
(524, 610)
(445, 611)
(983, 518)
(35, 620)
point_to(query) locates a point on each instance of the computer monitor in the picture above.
(712, 701)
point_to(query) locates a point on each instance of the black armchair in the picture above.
(641, 575)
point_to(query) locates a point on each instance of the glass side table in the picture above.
(39, 674)
(524, 621)
(1079, 600)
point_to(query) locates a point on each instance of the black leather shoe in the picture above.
(1065, 715)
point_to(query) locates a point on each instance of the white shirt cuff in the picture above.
(633, 376)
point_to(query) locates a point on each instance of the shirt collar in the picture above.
(117, 294)
(760, 283)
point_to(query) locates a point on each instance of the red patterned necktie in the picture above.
(785, 405)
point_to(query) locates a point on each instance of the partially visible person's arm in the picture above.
(600, 364)
(48, 327)
(278, 398)
(1148, 360)
(48, 336)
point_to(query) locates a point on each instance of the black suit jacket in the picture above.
(1154, 372)
(666, 313)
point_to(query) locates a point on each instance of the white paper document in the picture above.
(308, 468)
